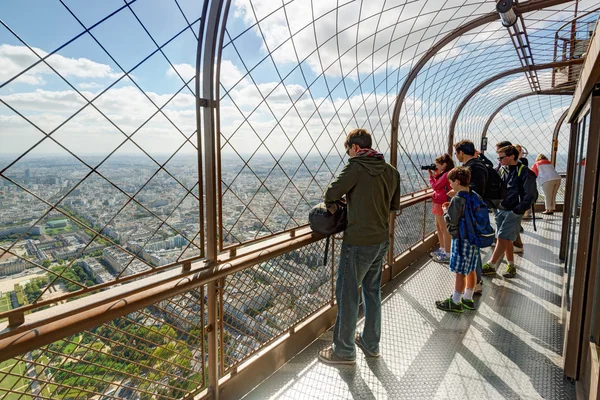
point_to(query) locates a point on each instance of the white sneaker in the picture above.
(478, 288)
(442, 258)
(436, 252)
(518, 250)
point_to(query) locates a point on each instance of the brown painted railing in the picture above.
(150, 336)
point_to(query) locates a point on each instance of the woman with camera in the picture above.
(438, 178)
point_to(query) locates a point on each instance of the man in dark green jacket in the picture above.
(372, 190)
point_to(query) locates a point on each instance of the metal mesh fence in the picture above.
(262, 302)
(100, 178)
(410, 226)
(317, 76)
(99, 163)
(541, 27)
(156, 352)
(530, 122)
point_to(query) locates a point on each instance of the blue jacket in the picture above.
(521, 188)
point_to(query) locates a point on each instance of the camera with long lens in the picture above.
(430, 167)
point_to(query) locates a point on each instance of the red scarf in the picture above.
(369, 153)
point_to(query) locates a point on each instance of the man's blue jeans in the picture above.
(358, 265)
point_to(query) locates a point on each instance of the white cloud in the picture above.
(402, 32)
(89, 85)
(15, 59)
(186, 71)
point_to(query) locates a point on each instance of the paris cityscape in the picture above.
(97, 233)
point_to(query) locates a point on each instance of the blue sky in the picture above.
(47, 101)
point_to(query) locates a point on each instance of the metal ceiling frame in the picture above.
(526, 7)
(501, 75)
(518, 97)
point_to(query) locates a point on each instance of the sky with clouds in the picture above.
(294, 77)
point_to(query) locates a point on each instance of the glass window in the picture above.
(577, 195)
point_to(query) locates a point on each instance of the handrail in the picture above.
(556, 37)
(46, 326)
(255, 247)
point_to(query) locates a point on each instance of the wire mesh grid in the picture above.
(411, 225)
(158, 352)
(266, 300)
(541, 27)
(318, 75)
(321, 69)
(530, 122)
(99, 178)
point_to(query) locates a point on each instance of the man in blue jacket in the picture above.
(521, 192)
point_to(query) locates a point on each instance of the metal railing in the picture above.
(161, 348)
(571, 41)
(183, 328)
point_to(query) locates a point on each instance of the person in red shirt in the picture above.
(438, 180)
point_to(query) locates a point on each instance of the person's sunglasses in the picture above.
(500, 158)
(348, 150)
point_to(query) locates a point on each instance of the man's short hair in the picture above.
(463, 174)
(466, 146)
(509, 151)
(360, 137)
(502, 144)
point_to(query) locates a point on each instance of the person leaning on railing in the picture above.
(548, 179)
(372, 189)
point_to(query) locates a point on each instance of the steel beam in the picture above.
(494, 78)
(525, 7)
(571, 161)
(559, 123)
(577, 337)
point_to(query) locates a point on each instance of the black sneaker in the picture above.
(510, 272)
(449, 305)
(487, 269)
(468, 304)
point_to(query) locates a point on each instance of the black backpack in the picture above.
(323, 222)
(495, 188)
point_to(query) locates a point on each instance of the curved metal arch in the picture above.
(501, 75)
(532, 5)
(518, 97)
(559, 123)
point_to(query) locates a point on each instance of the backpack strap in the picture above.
(326, 250)
(522, 193)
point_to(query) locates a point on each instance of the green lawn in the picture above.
(16, 383)
(5, 303)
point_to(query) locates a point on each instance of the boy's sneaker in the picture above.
(328, 357)
(518, 250)
(358, 342)
(487, 269)
(510, 271)
(449, 305)
(478, 288)
(468, 304)
(436, 252)
(442, 258)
